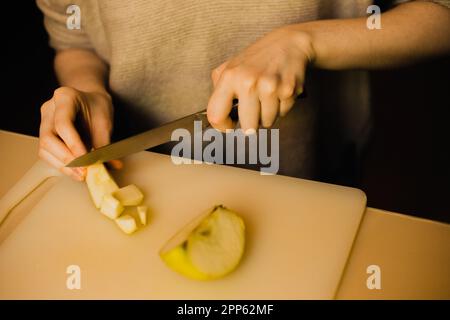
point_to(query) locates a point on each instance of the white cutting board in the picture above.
(299, 235)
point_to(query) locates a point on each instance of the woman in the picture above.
(159, 56)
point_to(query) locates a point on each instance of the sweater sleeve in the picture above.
(55, 22)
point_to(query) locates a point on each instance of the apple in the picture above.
(111, 200)
(129, 195)
(99, 182)
(142, 213)
(209, 247)
(111, 207)
(126, 223)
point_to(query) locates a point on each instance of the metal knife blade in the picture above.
(139, 142)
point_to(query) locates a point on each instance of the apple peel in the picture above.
(209, 247)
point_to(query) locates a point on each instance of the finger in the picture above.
(64, 116)
(270, 107)
(53, 161)
(249, 112)
(116, 164)
(287, 87)
(287, 92)
(47, 108)
(100, 133)
(286, 105)
(270, 104)
(47, 116)
(217, 73)
(52, 144)
(219, 106)
(101, 136)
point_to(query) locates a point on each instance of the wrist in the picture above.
(313, 37)
(303, 41)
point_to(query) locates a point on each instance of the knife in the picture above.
(143, 141)
(151, 138)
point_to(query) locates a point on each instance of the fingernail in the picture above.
(250, 131)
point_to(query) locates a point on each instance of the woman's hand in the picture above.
(266, 78)
(59, 141)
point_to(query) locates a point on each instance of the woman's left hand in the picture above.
(266, 78)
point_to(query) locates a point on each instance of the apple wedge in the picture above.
(129, 195)
(99, 182)
(126, 223)
(111, 207)
(112, 201)
(209, 247)
(142, 213)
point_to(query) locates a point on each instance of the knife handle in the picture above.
(234, 109)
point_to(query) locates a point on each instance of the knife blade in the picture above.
(143, 141)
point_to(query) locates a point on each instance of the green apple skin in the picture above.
(208, 249)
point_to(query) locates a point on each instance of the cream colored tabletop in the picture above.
(413, 255)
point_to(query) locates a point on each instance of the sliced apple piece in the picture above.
(209, 247)
(129, 195)
(99, 182)
(112, 201)
(142, 213)
(126, 223)
(111, 207)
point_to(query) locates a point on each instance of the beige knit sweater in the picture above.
(161, 53)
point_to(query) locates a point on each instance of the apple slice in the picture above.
(126, 223)
(111, 200)
(142, 213)
(129, 195)
(99, 182)
(209, 247)
(111, 207)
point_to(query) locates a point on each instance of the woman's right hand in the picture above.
(59, 141)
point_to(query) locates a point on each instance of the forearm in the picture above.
(81, 69)
(410, 32)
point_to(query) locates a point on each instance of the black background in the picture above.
(406, 165)
(283, 309)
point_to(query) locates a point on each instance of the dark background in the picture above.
(406, 164)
